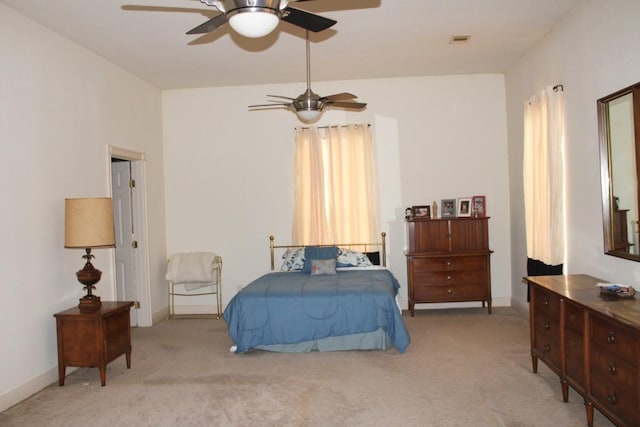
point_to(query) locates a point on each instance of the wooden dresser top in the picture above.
(581, 288)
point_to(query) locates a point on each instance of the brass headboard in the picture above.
(382, 246)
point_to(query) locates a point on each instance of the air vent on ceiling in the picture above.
(459, 39)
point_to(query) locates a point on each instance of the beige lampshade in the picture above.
(88, 223)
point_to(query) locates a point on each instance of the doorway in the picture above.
(130, 258)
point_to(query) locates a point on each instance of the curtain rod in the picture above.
(334, 126)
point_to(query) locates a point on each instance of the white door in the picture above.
(125, 252)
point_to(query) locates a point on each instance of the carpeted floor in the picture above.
(463, 368)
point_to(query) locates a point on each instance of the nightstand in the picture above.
(93, 339)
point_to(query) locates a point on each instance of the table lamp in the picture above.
(88, 223)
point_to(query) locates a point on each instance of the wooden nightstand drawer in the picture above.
(615, 338)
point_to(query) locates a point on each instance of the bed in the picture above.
(324, 298)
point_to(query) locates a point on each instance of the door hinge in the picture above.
(132, 183)
(136, 304)
(134, 244)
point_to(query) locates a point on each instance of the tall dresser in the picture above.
(591, 341)
(448, 260)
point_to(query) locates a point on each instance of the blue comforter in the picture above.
(293, 307)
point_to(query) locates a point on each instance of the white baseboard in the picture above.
(520, 308)
(195, 309)
(30, 388)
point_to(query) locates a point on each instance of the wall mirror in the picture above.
(619, 131)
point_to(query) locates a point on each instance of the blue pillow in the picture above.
(318, 252)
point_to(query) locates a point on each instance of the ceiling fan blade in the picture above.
(268, 107)
(210, 25)
(275, 104)
(344, 96)
(283, 97)
(306, 20)
(343, 104)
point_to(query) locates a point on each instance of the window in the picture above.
(335, 182)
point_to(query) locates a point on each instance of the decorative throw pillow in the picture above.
(322, 267)
(351, 258)
(293, 259)
(318, 252)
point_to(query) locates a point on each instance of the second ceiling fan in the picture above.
(309, 105)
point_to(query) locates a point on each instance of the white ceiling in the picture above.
(372, 39)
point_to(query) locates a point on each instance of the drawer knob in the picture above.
(547, 325)
(448, 277)
(612, 369)
(449, 264)
(547, 348)
(545, 301)
(612, 398)
(450, 291)
(611, 338)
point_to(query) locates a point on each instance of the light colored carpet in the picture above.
(463, 368)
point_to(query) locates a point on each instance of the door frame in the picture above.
(140, 217)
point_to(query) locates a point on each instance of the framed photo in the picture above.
(479, 206)
(464, 207)
(421, 212)
(448, 208)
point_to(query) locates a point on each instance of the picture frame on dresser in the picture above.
(421, 212)
(464, 207)
(479, 206)
(448, 208)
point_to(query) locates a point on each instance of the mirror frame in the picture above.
(606, 166)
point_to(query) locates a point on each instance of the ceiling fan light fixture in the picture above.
(254, 22)
(309, 116)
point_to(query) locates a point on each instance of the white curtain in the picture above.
(335, 186)
(544, 184)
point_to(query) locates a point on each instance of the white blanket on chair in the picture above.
(193, 269)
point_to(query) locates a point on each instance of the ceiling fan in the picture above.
(309, 106)
(257, 18)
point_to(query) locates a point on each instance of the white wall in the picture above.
(60, 107)
(593, 53)
(229, 172)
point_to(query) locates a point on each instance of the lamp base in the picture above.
(89, 276)
(89, 303)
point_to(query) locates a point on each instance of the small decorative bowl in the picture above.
(618, 291)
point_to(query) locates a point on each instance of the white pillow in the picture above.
(351, 258)
(293, 259)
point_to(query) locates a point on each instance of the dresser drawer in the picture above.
(451, 278)
(547, 339)
(449, 263)
(574, 353)
(615, 338)
(614, 385)
(574, 317)
(451, 292)
(546, 302)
